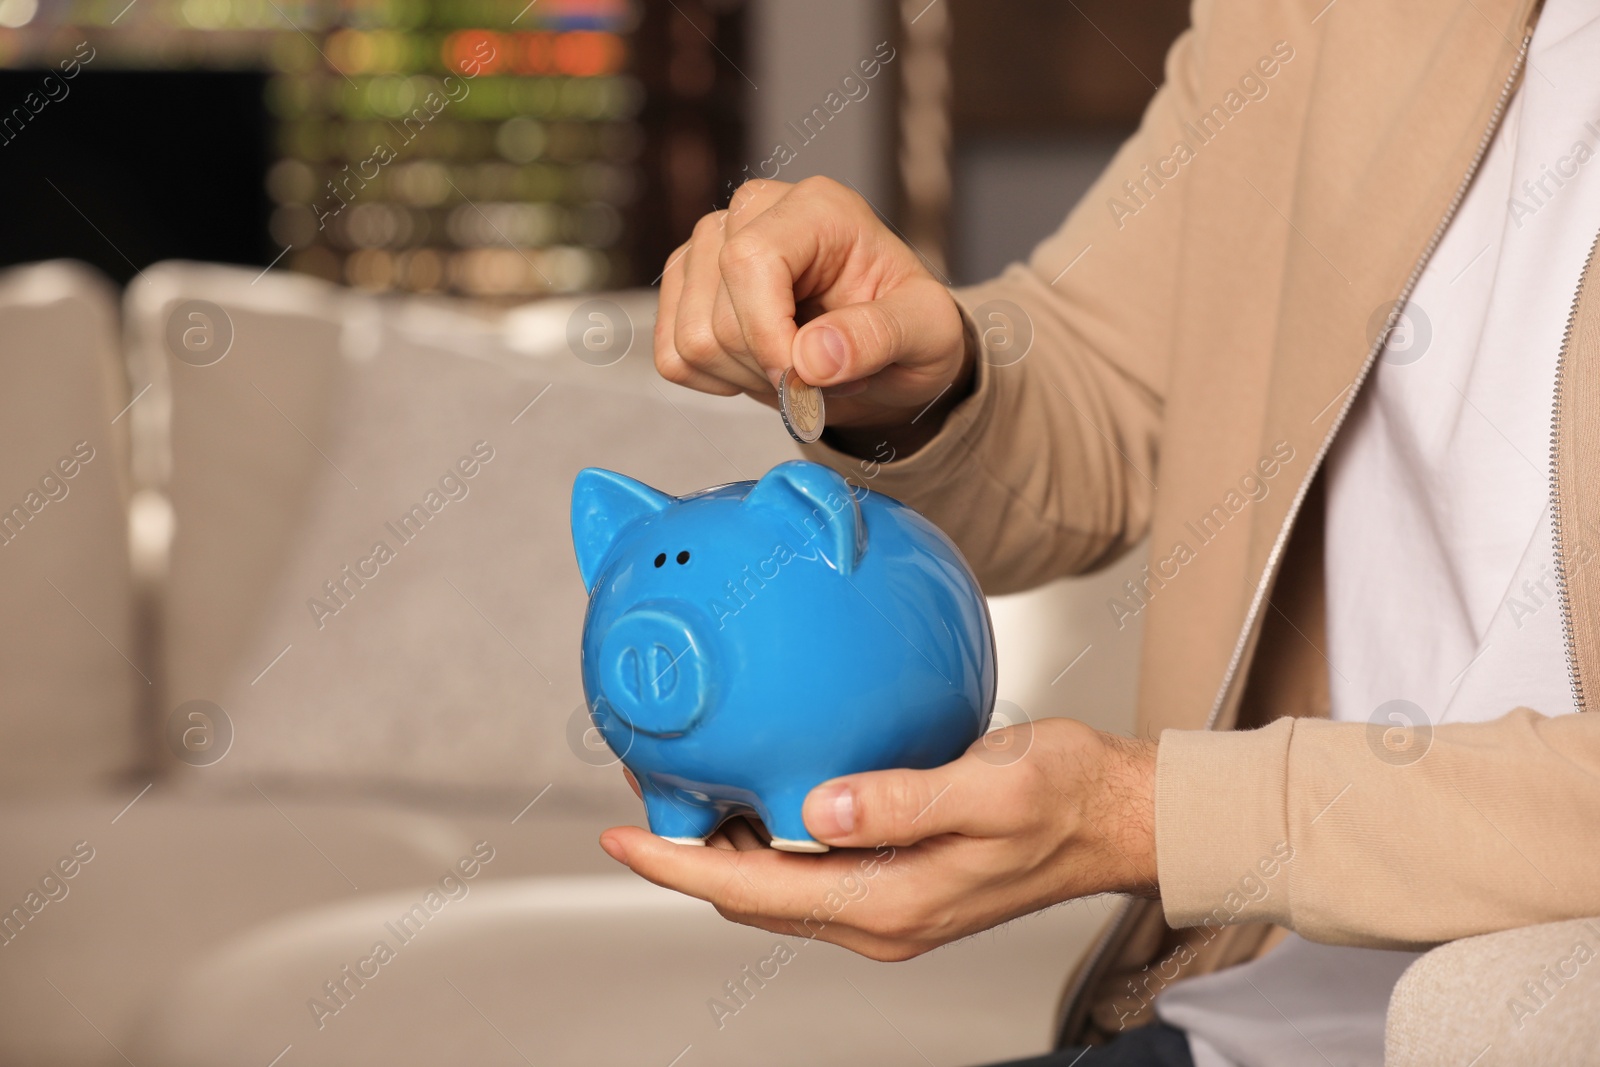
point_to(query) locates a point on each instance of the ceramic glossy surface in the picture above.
(748, 642)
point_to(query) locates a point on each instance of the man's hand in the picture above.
(1030, 816)
(805, 276)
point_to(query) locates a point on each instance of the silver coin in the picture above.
(802, 408)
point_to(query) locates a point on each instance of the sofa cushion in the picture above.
(74, 671)
(599, 970)
(152, 881)
(372, 571)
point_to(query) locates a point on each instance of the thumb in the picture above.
(899, 807)
(916, 325)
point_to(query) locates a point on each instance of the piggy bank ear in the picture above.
(604, 503)
(818, 505)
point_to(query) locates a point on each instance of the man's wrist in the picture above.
(1128, 801)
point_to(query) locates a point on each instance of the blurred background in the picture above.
(580, 142)
(271, 269)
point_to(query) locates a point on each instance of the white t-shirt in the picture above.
(1440, 570)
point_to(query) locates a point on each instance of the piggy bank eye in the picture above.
(683, 557)
(661, 559)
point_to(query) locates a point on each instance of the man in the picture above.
(1324, 334)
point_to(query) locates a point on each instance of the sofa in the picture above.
(245, 770)
(242, 748)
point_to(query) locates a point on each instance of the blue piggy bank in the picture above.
(745, 643)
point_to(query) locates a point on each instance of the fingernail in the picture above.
(822, 353)
(835, 808)
(613, 850)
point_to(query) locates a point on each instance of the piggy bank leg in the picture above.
(679, 820)
(780, 813)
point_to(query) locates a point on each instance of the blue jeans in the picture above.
(1156, 1045)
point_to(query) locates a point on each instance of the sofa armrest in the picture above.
(1530, 995)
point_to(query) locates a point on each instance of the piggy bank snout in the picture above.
(654, 672)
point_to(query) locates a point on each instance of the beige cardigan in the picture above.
(1201, 323)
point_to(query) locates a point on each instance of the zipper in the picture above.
(1274, 557)
(1562, 595)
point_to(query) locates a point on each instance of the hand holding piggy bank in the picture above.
(748, 642)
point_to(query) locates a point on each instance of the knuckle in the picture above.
(878, 331)
(673, 369)
(900, 928)
(843, 202)
(696, 343)
(709, 224)
(901, 936)
(820, 185)
(727, 332)
(740, 252)
(733, 899)
(898, 953)
(899, 800)
(749, 193)
(742, 196)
